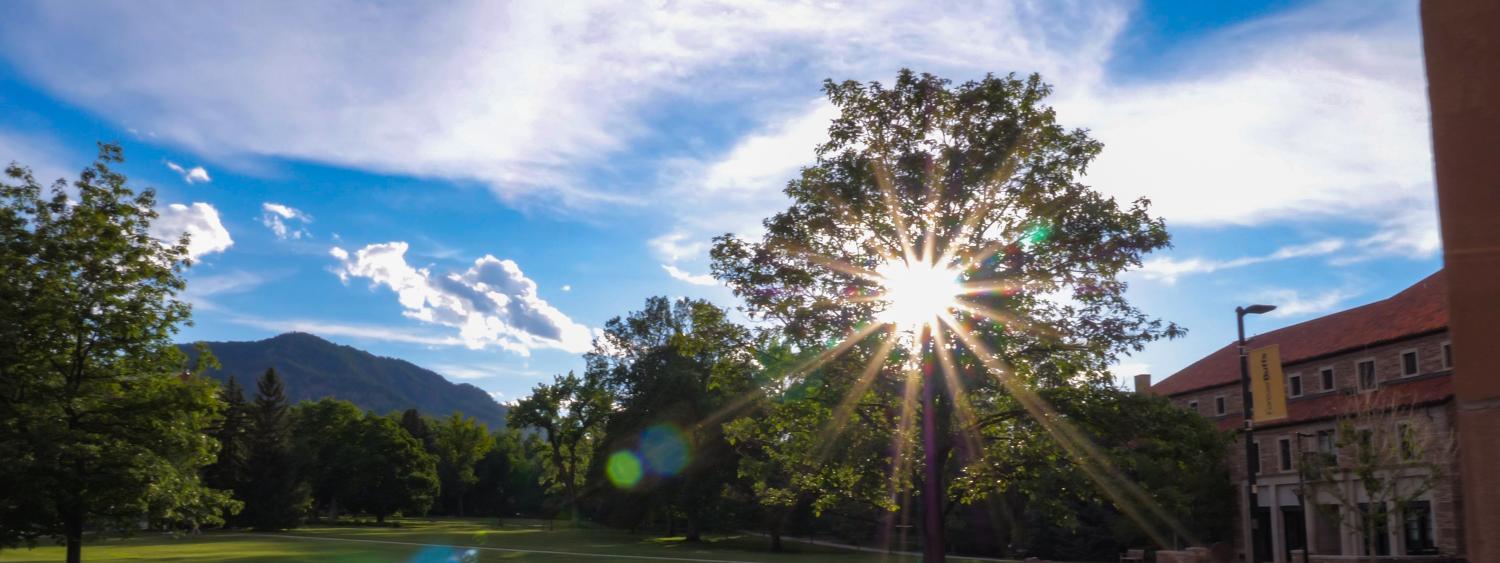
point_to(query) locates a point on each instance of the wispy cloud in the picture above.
(330, 328)
(491, 303)
(192, 176)
(467, 371)
(1294, 303)
(1170, 269)
(284, 221)
(695, 279)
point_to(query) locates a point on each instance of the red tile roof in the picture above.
(1414, 392)
(1419, 309)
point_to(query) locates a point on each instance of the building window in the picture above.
(1285, 447)
(1294, 385)
(1219, 406)
(1193, 406)
(1416, 520)
(1447, 355)
(1409, 363)
(1408, 441)
(1366, 375)
(1327, 375)
(1327, 448)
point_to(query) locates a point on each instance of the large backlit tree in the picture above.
(950, 224)
(99, 424)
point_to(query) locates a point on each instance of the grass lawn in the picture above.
(440, 541)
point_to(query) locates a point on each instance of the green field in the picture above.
(440, 541)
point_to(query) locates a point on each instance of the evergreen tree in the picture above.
(231, 469)
(274, 496)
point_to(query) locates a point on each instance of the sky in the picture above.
(477, 187)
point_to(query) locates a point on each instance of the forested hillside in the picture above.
(314, 368)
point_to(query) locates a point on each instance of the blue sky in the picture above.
(371, 172)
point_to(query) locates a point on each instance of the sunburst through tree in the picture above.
(943, 240)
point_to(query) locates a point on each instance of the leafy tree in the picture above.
(275, 497)
(569, 412)
(786, 453)
(461, 442)
(1052, 507)
(230, 470)
(978, 179)
(1390, 454)
(99, 422)
(392, 473)
(507, 478)
(321, 429)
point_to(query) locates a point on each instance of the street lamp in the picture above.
(1250, 493)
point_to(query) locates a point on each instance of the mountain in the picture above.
(314, 368)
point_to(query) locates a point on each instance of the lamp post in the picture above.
(1252, 499)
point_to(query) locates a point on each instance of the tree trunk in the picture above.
(694, 535)
(776, 537)
(380, 517)
(460, 505)
(73, 529)
(932, 488)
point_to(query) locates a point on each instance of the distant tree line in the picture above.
(327, 459)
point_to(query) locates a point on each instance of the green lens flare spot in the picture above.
(1038, 233)
(623, 469)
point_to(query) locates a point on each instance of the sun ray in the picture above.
(841, 414)
(956, 391)
(883, 181)
(1124, 493)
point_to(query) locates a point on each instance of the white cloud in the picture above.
(192, 176)
(286, 222)
(491, 303)
(1291, 303)
(567, 288)
(1169, 269)
(516, 94)
(695, 279)
(1320, 112)
(1317, 112)
(1312, 114)
(200, 221)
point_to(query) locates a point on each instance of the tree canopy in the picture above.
(101, 419)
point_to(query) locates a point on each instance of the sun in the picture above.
(916, 293)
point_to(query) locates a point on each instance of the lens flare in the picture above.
(623, 469)
(665, 450)
(916, 292)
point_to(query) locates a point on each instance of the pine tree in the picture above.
(229, 472)
(275, 497)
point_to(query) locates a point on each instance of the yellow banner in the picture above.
(1267, 384)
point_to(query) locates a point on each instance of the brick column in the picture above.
(1463, 79)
